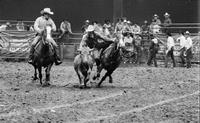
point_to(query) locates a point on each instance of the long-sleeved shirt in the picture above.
(65, 27)
(167, 22)
(41, 23)
(188, 43)
(170, 43)
(182, 41)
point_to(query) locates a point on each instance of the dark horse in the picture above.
(109, 56)
(43, 56)
(110, 59)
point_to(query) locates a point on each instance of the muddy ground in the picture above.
(139, 94)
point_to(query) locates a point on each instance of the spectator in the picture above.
(85, 26)
(119, 26)
(155, 25)
(65, 28)
(4, 27)
(136, 29)
(153, 50)
(20, 26)
(182, 40)
(107, 28)
(167, 22)
(145, 27)
(170, 50)
(188, 49)
(31, 28)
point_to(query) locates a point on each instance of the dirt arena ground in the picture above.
(139, 94)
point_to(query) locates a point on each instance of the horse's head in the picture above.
(46, 34)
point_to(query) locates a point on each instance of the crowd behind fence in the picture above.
(69, 43)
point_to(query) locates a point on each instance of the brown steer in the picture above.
(83, 64)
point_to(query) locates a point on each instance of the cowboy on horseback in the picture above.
(40, 25)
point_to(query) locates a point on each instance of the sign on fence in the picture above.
(15, 43)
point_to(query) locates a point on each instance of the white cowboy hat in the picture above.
(87, 21)
(90, 28)
(155, 15)
(166, 14)
(47, 10)
(125, 21)
(129, 22)
(187, 32)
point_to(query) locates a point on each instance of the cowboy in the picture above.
(170, 50)
(4, 27)
(182, 40)
(85, 26)
(119, 26)
(145, 27)
(188, 48)
(167, 22)
(65, 27)
(92, 33)
(39, 26)
(155, 25)
(153, 50)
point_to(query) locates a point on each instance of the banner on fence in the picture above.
(15, 43)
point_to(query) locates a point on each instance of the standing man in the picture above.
(188, 48)
(85, 26)
(167, 22)
(39, 26)
(65, 27)
(153, 50)
(182, 41)
(170, 50)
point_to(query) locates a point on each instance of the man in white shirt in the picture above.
(170, 50)
(188, 49)
(39, 26)
(182, 41)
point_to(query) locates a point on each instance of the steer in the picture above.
(83, 64)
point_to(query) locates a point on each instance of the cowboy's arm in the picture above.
(103, 37)
(53, 25)
(61, 27)
(36, 26)
(83, 41)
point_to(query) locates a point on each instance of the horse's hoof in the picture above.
(98, 86)
(35, 78)
(46, 84)
(110, 81)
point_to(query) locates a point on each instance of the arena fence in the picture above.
(15, 44)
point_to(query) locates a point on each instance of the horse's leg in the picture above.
(99, 69)
(103, 78)
(110, 77)
(48, 69)
(40, 74)
(35, 74)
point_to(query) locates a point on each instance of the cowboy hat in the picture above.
(47, 10)
(90, 28)
(129, 22)
(155, 15)
(187, 32)
(166, 14)
(87, 21)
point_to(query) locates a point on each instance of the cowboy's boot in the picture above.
(30, 58)
(57, 58)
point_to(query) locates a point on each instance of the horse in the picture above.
(110, 60)
(83, 64)
(43, 56)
